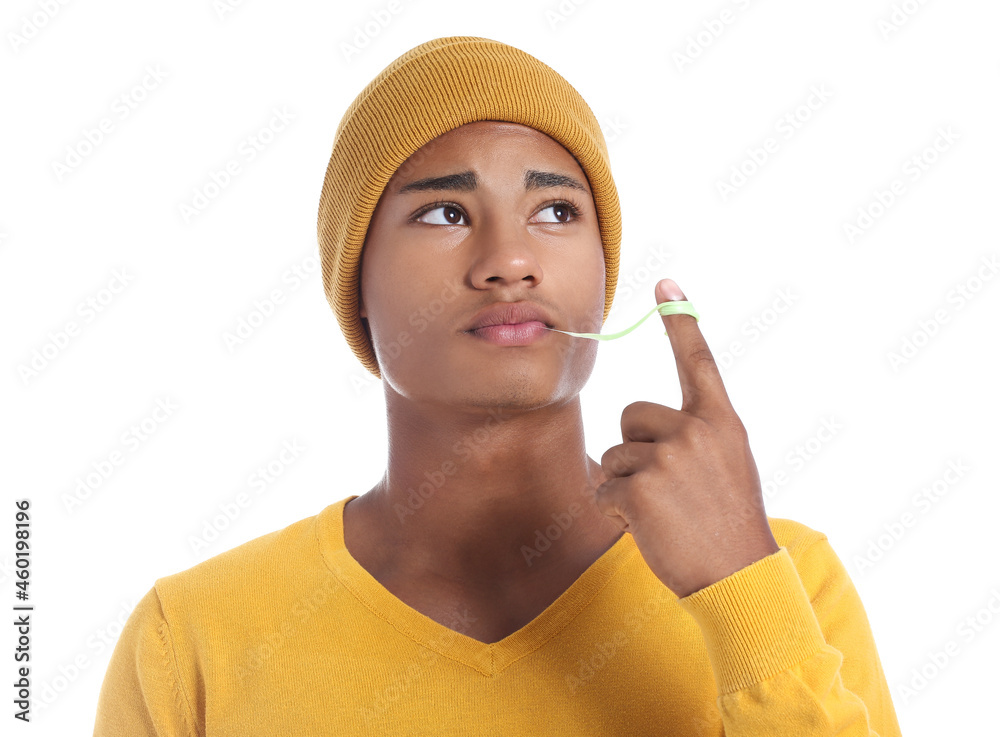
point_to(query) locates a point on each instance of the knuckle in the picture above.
(632, 408)
(701, 432)
(734, 425)
(702, 357)
(663, 454)
(614, 460)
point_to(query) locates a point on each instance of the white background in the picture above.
(675, 129)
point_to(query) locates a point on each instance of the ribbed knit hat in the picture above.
(431, 89)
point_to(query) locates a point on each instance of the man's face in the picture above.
(434, 257)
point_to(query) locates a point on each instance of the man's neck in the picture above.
(495, 499)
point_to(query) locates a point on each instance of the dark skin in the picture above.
(459, 555)
(501, 426)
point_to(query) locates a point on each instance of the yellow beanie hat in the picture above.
(431, 89)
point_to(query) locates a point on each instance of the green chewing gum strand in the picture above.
(678, 307)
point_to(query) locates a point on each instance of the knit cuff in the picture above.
(756, 622)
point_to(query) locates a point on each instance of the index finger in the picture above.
(701, 382)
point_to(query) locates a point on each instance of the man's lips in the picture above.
(517, 334)
(509, 313)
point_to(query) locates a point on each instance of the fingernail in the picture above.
(669, 289)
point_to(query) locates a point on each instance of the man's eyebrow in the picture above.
(467, 181)
(539, 179)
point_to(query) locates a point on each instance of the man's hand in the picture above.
(683, 482)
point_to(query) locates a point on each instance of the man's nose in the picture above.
(503, 250)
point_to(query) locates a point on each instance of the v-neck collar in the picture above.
(487, 658)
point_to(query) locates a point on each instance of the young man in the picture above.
(486, 584)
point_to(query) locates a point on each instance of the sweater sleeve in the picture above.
(792, 650)
(142, 695)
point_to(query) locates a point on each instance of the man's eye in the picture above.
(451, 216)
(567, 212)
(563, 212)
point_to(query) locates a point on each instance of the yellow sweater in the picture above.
(288, 635)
